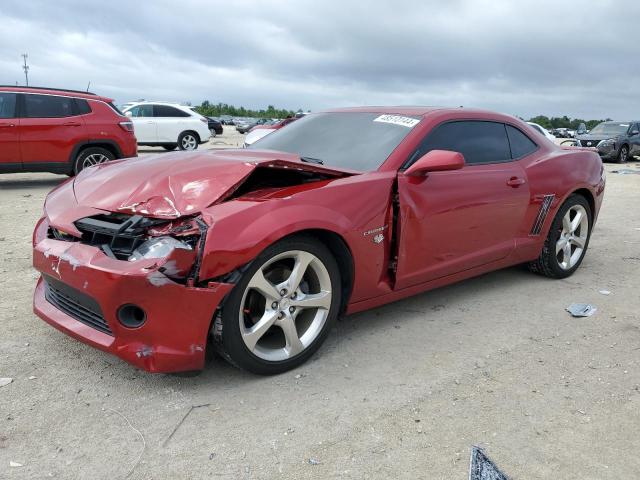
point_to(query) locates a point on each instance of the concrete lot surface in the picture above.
(402, 391)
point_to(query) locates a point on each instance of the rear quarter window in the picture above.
(167, 111)
(82, 106)
(115, 109)
(521, 145)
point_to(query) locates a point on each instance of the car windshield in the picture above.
(348, 140)
(610, 129)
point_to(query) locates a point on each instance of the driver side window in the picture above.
(142, 111)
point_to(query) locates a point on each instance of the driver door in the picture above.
(145, 125)
(451, 221)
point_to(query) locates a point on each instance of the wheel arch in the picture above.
(586, 193)
(581, 190)
(189, 131)
(109, 145)
(339, 248)
(336, 244)
(106, 144)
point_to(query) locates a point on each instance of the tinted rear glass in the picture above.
(115, 109)
(166, 111)
(477, 141)
(521, 145)
(47, 106)
(7, 105)
(349, 140)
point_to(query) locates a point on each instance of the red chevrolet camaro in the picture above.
(256, 252)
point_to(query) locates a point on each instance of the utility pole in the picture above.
(25, 67)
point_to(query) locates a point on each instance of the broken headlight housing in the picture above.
(158, 247)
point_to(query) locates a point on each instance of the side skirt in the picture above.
(431, 285)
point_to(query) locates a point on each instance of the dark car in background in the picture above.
(244, 127)
(561, 132)
(616, 141)
(215, 126)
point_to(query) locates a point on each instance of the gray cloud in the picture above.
(519, 57)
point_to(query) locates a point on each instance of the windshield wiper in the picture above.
(312, 160)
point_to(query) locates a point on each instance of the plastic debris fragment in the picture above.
(482, 468)
(581, 309)
(5, 381)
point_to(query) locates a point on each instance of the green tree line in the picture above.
(564, 122)
(215, 110)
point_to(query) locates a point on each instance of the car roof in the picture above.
(54, 91)
(418, 111)
(152, 102)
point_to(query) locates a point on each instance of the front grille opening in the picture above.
(118, 235)
(76, 304)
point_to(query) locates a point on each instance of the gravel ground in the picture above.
(399, 391)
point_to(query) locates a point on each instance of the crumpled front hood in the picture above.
(176, 184)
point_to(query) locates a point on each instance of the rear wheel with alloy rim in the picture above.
(188, 141)
(90, 157)
(282, 309)
(567, 241)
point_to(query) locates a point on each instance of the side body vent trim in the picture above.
(545, 206)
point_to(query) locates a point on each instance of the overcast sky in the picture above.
(578, 58)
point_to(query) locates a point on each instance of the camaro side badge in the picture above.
(378, 236)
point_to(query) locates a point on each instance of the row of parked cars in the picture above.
(614, 141)
(65, 131)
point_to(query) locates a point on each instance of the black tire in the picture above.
(226, 330)
(623, 154)
(170, 148)
(188, 141)
(91, 156)
(547, 263)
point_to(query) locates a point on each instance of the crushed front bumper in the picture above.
(174, 336)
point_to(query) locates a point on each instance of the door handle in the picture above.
(71, 124)
(515, 182)
(7, 125)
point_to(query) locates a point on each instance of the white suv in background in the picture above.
(168, 125)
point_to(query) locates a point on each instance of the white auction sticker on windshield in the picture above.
(398, 120)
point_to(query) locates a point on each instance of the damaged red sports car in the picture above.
(256, 252)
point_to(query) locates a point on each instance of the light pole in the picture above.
(25, 67)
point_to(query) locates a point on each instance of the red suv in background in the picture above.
(60, 131)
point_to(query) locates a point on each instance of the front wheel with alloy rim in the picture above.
(188, 141)
(90, 157)
(567, 241)
(623, 154)
(282, 309)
